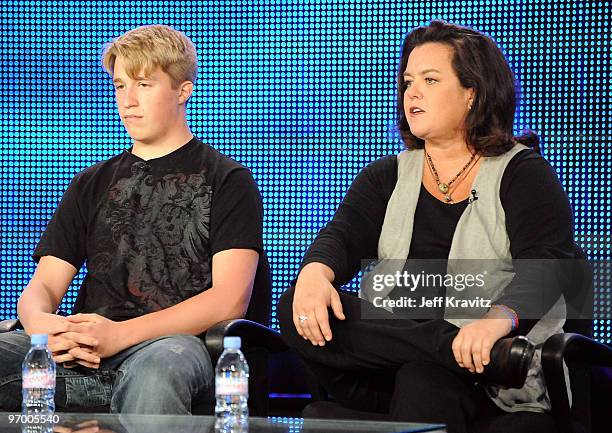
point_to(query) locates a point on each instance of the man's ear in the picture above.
(185, 91)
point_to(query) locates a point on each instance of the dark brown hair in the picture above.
(480, 65)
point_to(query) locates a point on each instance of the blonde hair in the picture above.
(149, 47)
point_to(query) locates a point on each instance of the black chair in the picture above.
(588, 362)
(579, 352)
(258, 342)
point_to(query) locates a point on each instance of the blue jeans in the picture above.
(162, 376)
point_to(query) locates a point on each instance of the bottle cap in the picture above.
(38, 339)
(231, 342)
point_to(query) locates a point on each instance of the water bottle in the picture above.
(38, 379)
(231, 389)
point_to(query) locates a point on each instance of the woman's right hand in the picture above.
(314, 294)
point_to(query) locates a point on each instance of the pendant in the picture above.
(448, 199)
(443, 188)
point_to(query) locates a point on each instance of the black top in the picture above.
(434, 224)
(538, 222)
(148, 229)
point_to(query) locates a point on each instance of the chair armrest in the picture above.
(9, 325)
(252, 334)
(574, 349)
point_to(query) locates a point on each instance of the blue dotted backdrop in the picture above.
(302, 92)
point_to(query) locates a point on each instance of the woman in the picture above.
(465, 188)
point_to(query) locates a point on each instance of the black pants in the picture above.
(397, 366)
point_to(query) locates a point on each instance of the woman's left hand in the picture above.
(472, 345)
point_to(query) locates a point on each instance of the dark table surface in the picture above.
(105, 423)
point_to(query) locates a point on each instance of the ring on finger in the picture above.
(302, 318)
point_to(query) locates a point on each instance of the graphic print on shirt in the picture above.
(160, 227)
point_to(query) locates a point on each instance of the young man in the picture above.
(171, 232)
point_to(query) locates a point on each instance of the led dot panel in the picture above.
(302, 92)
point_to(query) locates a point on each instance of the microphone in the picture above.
(474, 196)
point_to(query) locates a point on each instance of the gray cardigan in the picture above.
(480, 234)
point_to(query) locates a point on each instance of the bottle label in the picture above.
(232, 386)
(39, 379)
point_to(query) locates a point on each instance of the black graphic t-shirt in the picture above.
(147, 230)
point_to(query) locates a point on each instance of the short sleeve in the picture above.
(64, 236)
(237, 213)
